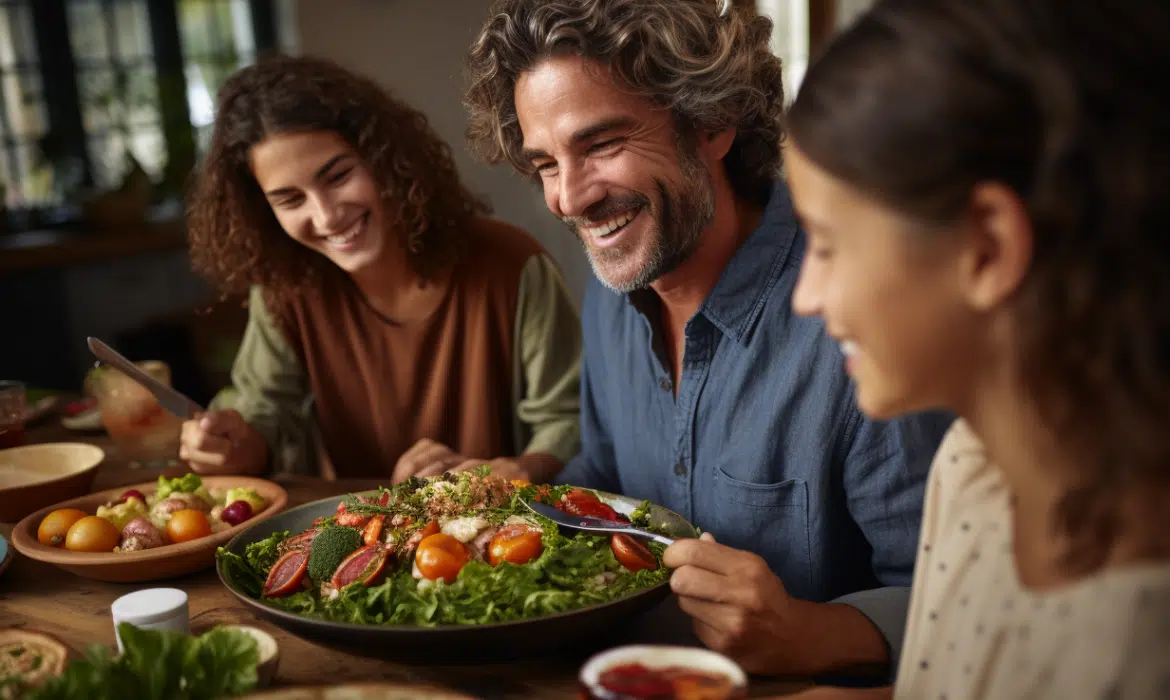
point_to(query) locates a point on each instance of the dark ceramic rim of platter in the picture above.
(682, 528)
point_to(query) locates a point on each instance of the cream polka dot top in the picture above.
(974, 632)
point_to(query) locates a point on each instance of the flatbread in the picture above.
(29, 658)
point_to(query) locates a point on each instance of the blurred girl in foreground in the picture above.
(428, 336)
(986, 187)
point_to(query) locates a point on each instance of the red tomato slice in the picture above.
(583, 503)
(631, 553)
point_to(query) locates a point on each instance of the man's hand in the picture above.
(740, 608)
(222, 442)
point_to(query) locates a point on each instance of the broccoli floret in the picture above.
(330, 546)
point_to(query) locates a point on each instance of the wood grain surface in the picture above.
(77, 610)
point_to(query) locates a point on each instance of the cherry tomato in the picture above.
(56, 525)
(520, 483)
(518, 544)
(631, 553)
(132, 493)
(583, 503)
(431, 528)
(92, 534)
(441, 557)
(186, 525)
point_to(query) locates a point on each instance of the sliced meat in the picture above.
(352, 520)
(301, 541)
(479, 546)
(176, 502)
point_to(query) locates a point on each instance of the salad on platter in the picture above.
(459, 549)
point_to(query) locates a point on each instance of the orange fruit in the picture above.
(56, 525)
(187, 525)
(92, 534)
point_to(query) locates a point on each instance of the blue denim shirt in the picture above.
(764, 445)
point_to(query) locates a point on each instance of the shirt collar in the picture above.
(739, 297)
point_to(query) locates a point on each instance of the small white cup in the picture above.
(152, 609)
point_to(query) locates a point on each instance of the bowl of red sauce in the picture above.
(660, 672)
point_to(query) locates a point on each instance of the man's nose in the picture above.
(576, 190)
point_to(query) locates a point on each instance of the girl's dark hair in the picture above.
(1068, 103)
(235, 239)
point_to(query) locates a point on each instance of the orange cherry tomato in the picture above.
(631, 553)
(521, 483)
(431, 528)
(518, 544)
(186, 525)
(441, 557)
(56, 525)
(92, 534)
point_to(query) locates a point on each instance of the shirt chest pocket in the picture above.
(770, 520)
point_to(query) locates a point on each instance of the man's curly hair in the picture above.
(235, 239)
(713, 70)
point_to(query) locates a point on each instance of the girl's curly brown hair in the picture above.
(235, 239)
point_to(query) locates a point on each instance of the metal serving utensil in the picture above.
(575, 522)
(174, 401)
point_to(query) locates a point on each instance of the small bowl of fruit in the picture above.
(148, 531)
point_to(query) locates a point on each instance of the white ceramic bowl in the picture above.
(660, 656)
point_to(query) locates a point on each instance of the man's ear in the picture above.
(718, 143)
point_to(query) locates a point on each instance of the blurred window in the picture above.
(126, 83)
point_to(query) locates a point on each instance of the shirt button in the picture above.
(665, 384)
(680, 469)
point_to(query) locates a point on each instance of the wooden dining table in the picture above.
(42, 597)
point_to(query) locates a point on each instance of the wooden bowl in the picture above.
(34, 476)
(150, 564)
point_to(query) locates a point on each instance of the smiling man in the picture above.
(654, 130)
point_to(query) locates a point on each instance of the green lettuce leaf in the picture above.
(188, 483)
(159, 665)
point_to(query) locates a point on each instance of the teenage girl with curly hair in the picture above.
(394, 329)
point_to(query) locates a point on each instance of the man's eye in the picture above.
(340, 176)
(604, 145)
(545, 168)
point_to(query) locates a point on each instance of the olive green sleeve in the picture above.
(270, 390)
(548, 363)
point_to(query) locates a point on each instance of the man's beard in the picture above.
(686, 212)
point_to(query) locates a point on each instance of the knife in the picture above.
(575, 522)
(174, 401)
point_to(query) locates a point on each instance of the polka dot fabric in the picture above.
(975, 632)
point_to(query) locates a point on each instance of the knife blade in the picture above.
(575, 522)
(170, 399)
